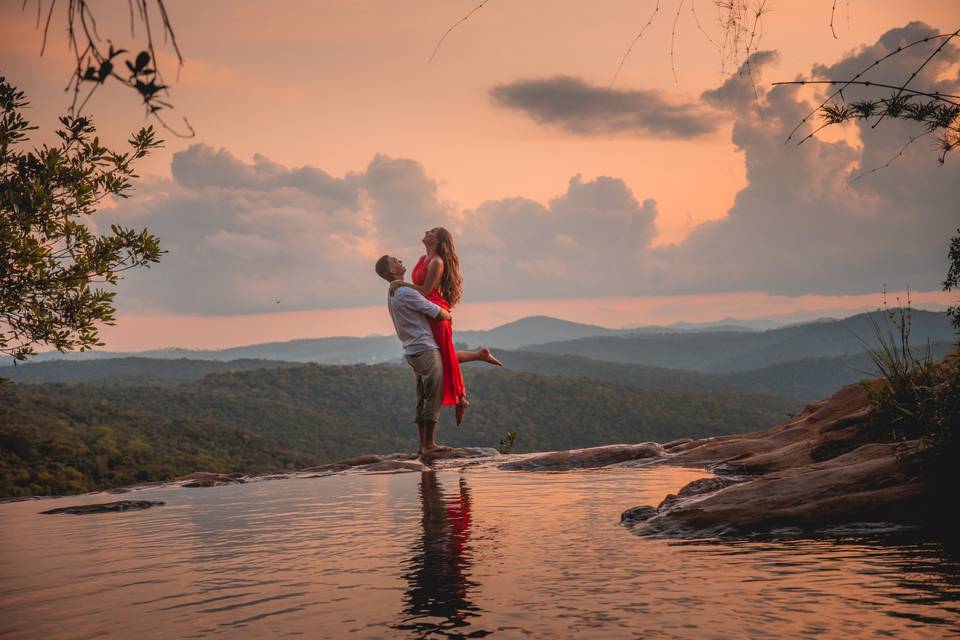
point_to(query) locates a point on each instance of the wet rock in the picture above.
(393, 466)
(459, 452)
(708, 485)
(591, 458)
(357, 462)
(26, 498)
(824, 429)
(871, 484)
(105, 507)
(675, 444)
(638, 514)
(821, 469)
(208, 479)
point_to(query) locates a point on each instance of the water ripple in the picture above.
(451, 555)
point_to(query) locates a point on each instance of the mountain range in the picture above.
(707, 350)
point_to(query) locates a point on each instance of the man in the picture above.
(409, 311)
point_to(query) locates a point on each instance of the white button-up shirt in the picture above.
(409, 311)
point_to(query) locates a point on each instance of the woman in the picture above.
(437, 277)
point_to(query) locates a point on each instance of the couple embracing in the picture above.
(421, 314)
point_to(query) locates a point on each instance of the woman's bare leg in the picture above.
(481, 355)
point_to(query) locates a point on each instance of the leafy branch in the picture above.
(49, 257)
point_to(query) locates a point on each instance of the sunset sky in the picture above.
(325, 138)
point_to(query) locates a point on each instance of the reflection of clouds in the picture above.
(913, 573)
(437, 601)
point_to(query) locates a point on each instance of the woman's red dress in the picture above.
(453, 387)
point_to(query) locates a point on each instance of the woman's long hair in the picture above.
(450, 281)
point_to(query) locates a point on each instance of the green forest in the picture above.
(71, 438)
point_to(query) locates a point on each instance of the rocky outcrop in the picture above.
(104, 507)
(824, 467)
(209, 479)
(591, 458)
(400, 462)
(369, 463)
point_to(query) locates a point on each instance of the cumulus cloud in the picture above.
(243, 235)
(584, 242)
(254, 237)
(800, 227)
(581, 108)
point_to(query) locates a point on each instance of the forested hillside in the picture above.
(57, 438)
(131, 371)
(808, 379)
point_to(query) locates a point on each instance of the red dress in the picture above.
(453, 387)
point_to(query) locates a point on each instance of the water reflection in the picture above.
(437, 601)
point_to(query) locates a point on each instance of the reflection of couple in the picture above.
(437, 600)
(421, 316)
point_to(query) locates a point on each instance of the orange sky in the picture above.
(332, 84)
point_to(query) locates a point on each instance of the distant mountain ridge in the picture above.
(729, 352)
(365, 350)
(706, 350)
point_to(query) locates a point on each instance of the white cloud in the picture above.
(243, 235)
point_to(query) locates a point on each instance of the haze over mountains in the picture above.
(711, 350)
(805, 362)
(733, 351)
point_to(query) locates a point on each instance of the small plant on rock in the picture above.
(506, 444)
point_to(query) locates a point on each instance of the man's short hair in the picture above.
(383, 267)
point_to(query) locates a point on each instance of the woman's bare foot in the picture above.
(487, 356)
(461, 409)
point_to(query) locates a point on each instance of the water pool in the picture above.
(466, 553)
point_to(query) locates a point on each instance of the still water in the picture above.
(460, 554)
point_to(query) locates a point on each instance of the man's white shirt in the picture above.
(409, 311)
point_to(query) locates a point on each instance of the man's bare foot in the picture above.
(487, 356)
(461, 409)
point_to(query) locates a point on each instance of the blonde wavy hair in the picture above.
(450, 281)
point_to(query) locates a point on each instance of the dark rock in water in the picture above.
(105, 507)
(586, 458)
(820, 469)
(208, 479)
(638, 514)
(707, 485)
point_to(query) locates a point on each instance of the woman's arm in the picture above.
(431, 282)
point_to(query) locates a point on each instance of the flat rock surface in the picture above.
(105, 507)
(209, 479)
(459, 453)
(586, 458)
